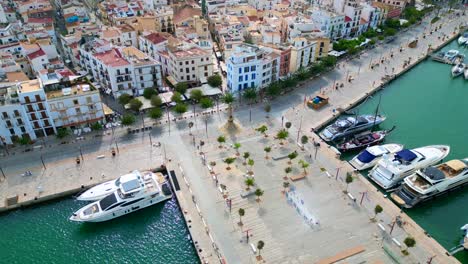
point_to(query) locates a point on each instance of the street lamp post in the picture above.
(299, 130)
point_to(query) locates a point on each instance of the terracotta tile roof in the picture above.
(43, 20)
(253, 18)
(111, 58)
(186, 13)
(110, 33)
(36, 54)
(156, 38)
(188, 53)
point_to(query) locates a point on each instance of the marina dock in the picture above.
(291, 233)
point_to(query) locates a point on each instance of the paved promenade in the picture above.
(328, 222)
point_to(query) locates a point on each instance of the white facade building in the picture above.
(114, 68)
(302, 53)
(251, 66)
(264, 4)
(330, 23)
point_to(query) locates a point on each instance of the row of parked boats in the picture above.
(121, 196)
(460, 68)
(411, 174)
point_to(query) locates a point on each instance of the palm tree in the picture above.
(409, 242)
(190, 125)
(229, 161)
(287, 170)
(292, 156)
(304, 140)
(288, 125)
(282, 135)
(250, 94)
(228, 99)
(251, 162)
(241, 214)
(221, 140)
(285, 186)
(206, 103)
(260, 245)
(262, 129)
(258, 193)
(267, 109)
(237, 146)
(349, 179)
(249, 182)
(267, 150)
(304, 165)
(377, 210)
(245, 156)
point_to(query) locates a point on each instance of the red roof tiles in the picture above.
(36, 54)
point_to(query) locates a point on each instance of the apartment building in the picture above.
(71, 101)
(252, 66)
(122, 35)
(114, 68)
(34, 102)
(36, 108)
(264, 4)
(188, 62)
(14, 121)
(330, 23)
(302, 53)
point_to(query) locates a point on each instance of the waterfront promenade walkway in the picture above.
(343, 223)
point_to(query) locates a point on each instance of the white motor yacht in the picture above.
(143, 190)
(391, 169)
(458, 69)
(102, 190)
(369, 157)
(451, 55)
(431, 181)
(466, 72)
(463, 39)
(350, 125)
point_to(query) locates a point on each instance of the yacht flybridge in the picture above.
(390, 170)
(350, 125)
(370, 156)
(134, 192)
(431, 181)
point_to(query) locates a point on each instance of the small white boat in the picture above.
(463, 39)
(431, 181)
(130, 196)
(451, 55)
(458, 69)
(466, 72)
(369, 157)
(391, 169)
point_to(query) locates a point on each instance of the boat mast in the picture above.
(376, 112)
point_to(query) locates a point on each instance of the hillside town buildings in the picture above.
(66, 54)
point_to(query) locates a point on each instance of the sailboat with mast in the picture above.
(367, 138)
(348, 126)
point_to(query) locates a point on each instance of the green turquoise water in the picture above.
(43, 234)
(430, 107)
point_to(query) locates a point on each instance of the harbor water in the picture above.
(43, 234)
(429, 107)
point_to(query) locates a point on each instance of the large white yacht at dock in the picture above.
(370, 156)
(134, 192)
(350, 125)
(390, 170)
(431, 181)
